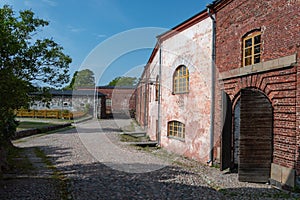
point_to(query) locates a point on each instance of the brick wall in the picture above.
(142, 98)
(278, 21)
(280, 87)
(123, 99)
(192, 48)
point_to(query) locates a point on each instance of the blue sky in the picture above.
(81, 26)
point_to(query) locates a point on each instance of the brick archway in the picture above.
(279, 86)
(249, 145)
(255, 142)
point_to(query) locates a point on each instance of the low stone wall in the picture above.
(29, 132)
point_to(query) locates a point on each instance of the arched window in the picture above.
(176, 129)
(252, 48)
(181, 80)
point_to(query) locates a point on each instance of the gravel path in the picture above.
(34, 184)
(94, 165)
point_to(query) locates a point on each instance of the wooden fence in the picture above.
(57, 114)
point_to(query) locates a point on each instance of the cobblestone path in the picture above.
(91, 163)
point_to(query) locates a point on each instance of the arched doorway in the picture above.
(249, 145)
(255, 139)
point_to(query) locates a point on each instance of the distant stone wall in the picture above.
(75, 103)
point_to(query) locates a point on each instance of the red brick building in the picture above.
(120, 101)
(257, 56)
(115, 101)
(256, 125)
(142, 98)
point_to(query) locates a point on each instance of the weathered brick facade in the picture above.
(277, 75)
(189, 44)
(142, 99)
(274, 79)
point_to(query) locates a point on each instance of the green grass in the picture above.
(57, 175)
(128, 138)
(30, 125)
(17, 161)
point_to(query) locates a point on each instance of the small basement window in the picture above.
(252, 49)
(176, 129)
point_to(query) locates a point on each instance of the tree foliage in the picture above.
(71, 85)
(23, 61)
(123, 81)
(82, 78)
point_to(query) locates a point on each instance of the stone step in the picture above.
(136, 134)
(143, 144)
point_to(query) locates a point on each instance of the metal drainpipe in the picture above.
(213, 85)
(95, 103)
(145, 102)
(159, 97)
(140, 101)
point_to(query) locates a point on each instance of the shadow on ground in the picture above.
(98, 181)
(95, 180)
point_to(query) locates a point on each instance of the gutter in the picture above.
(213, 84)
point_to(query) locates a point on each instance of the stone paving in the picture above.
(93, 164)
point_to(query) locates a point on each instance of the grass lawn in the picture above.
(30, 125)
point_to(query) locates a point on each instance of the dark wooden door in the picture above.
(226, 132)
(256, 127)
(236, 132)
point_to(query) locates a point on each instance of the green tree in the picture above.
(71, 85)
(123, 81)
(83, 78)
(24, 62)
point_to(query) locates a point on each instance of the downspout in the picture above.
(213, 85)
(95, 102)
(159, 96)
(145, 101)
(140, 100)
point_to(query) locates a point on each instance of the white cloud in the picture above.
(100, 35)
(50, 2)
(29, 4)
(75, 29)
(3, 2)
(42, 3)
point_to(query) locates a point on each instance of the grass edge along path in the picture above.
(57, 175)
